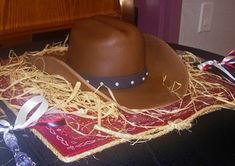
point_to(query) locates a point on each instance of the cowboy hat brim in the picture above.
(161, 62)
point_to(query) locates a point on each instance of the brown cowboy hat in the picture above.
(142, 71)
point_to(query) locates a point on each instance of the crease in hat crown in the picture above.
(103, 50)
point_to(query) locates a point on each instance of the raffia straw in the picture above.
(56, 89)
(60, 48)
(62, 95)
(155, 132)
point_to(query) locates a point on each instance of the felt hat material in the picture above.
(138, 68)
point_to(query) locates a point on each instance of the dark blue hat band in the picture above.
(117, 82)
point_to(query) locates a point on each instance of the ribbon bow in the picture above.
(225, 68)
(28, 116)
(22, 122)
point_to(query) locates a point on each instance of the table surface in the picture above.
(210, 141)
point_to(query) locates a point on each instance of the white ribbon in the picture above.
(21, 119)
(219, 66)
(5, 126)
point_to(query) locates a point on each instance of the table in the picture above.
(209, 142)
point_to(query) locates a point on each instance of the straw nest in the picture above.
(63, 95)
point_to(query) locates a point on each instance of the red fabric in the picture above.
(70, 143)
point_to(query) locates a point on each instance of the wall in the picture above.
(160, 18)
(221, 38)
